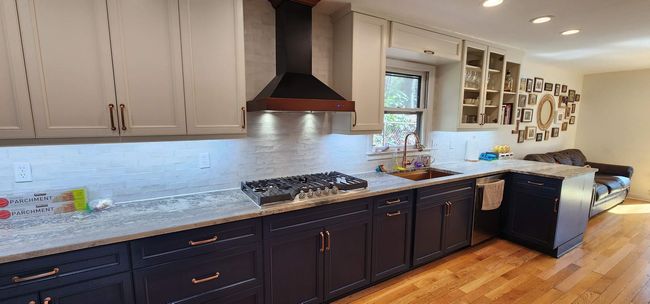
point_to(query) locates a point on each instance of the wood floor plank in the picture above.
(611, 266)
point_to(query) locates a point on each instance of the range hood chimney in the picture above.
(294, 88)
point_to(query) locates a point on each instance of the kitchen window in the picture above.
(405, 107)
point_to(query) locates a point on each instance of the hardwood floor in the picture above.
(611, 266)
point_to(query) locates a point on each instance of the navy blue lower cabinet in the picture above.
(26, 299)
(391, 235)
(115, 289)
(200, 279)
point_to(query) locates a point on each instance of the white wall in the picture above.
(278, 144)
(614, 124)
(450, 146)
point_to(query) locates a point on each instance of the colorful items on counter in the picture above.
(43, 203)
(489, 156)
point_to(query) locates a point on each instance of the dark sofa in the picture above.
(612, 182)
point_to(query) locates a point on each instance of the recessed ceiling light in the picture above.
(542, 19)
(491, 3)
(570, 32)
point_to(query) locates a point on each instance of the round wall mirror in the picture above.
(545, 111)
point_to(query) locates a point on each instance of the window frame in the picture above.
(427, 74)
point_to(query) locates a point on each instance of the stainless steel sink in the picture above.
(422, 174)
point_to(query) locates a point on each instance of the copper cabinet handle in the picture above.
(32, 302)
(111, 107)
(243, 113)
(391, 214)
(355, 118)
(448, 209)
(450, 206)
(210, 240)
(322, 242)
(429, 52)
(397, 201)
(329, 241)
(534, 183)
(47, 300)
(122, 106)
(17, 279)
(210, 278)
(556, 207)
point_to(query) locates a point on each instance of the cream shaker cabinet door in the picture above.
(212, 34)
(369, 41)
(69, 68)
(15, 111)
(146, 44)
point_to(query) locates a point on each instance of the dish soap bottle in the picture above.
(508, 82)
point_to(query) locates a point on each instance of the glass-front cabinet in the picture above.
(482, 90)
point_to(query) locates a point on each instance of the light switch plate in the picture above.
(22, 172)
(204, 160)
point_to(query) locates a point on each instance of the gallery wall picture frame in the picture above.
(556, 92)
(564, 88)
(577, 97)
(561, 102)
(547, 134)
(559, 117)
(548, 87)
(572, 95)
(523, 98)
(522, 84)
(518, 115)
(530, 133)
(532, 99)
(539, 137)
(572, 120)
(521, 136)
(527, 115)
(567, 112)
(529, 85)
(539, 85)
(565, 126)
(555, 132)
(573, 108)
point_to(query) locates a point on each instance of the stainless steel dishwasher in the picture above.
(485, 223)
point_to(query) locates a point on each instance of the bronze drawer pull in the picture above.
(47, 300)
(429, 52)
(557, 202)
(355, 118)
(122, 106)
(396, 213)
(210, 278)
(210, 240)
(243, 113)
(32, 302)
(322, 242)
(329, 241)
(397, 201)
(111, 107)
(535, 184)
(18, 279)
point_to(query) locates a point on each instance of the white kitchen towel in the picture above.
(492, 195)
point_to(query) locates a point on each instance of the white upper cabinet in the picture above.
(360, 43)
(15, 112)
(145, 38)
(420, 45)
(212, 34)
(69, 67)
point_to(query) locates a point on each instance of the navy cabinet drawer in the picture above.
(170, 247)
(251, 296)
(542, 185)
(399, 200)
(445, 192)
(206, 277)
(315, 217)
(36, 274)
(115, 289)
(26, 299)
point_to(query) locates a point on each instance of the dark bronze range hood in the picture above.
(294, 88)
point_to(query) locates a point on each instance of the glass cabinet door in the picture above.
(493, 88)
(473, 85)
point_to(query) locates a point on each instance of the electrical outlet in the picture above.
(22, 172)
(204, 160)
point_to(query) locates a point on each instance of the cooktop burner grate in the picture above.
(301, 186)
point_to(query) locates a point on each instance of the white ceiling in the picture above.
(615, 33)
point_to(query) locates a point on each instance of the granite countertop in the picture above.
(127, 221)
